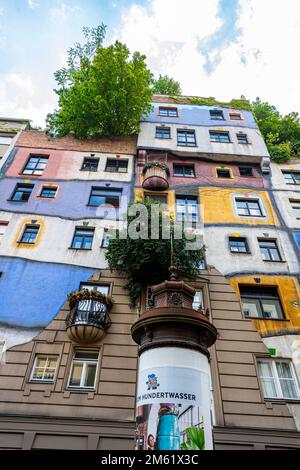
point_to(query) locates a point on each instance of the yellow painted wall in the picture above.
(139, 196)
(218, 207)
(288, 290)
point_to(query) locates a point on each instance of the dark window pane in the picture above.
(219, 136)
(242, 138)
(163, 133)
(90, 164)
(30, 234)
(245, 171)
(266, 301)
(35, 165)
(48, 192)
(223, 173)
(216, 115)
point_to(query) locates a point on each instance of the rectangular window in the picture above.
(162, 198)
(35, 165)
(246, 207)
(269, 250)
(184, 170)
(242, 139)
(186, 138)
(235, 116)
(223, 173)
(83, 370)
(6, 139)
(48, 192)
(201, 264)
(296, 208)
(90, 164)
(278, 379)
(30, 233)
(168, 112)
(291, 177)
(198, 301)
(101, 196)
(44, 368)
(105, 238)
(83, 239)
(245, 171)
(22, 192)
(103, 288)
(218, 136)
(163, 133)
(238, 245)
(261, 302)
(187, 209)
(216, 115)
(116, 166)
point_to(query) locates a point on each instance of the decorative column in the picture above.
(174, 386)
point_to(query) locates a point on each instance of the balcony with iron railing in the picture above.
(89, 319)
(156, 176)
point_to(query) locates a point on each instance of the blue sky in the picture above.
(221, 48)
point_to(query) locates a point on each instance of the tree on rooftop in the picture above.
(103, 91)
(165, 85)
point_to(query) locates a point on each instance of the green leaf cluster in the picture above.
(195, 439)
(104, 91)
(211, 101)
(281, 133)
(146, 261)
(165, 85)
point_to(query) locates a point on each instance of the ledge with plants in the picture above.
(159, 165)
(85, 294)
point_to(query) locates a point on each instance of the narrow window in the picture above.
(48, 192)
(44, 368)
(261, 302)
(223, 173)
(186, 138)
(105, 238)
(296, 208)
(198, 301)
(83, 370)
(30, 233)
(187, 171)
(90, 164)
(218, 136)
(238, 245)
(35, 165)
(242, 139)
(83, 239)
(187, 209)
(116, 166)
(278, 379)
(22, 192)
(163, 133)
(269, 250)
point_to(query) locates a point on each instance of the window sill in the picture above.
(282, 400)
(92, 171)
(244, 143)
(48, 382)
(12, 200)
(274, 261)
(26, 243)
(80, 249)
(240, 252)
(184, 176)
(81, 389)
(264, 318)
(217, 142)
(163, 138)
(183, 145)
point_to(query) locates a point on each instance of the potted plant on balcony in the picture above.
(158, 165)
(84, 294)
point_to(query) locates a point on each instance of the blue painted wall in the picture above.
(199, 116)
(32, 293)
(71, 200)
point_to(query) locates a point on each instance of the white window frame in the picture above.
(47, 356)
(85, 362)
(264, 214)
(277, 379)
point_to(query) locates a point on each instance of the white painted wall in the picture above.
(219, 255)
(285, 206)
(278, 181)
(10, 337)
(288, 347)
(256, 146)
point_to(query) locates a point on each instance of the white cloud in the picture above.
(261, 61)
(63, 12)
(33, 4)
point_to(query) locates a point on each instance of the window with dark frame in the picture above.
(116, 166)
(83, 238)
(83, 369)
(219, 136)
(35, 165)
(242, 138)
(167, 112)
(261, 302)
(216, 115)
(184, 170)
(245, 171)
(278, 379)
(296, 207)
(44, 368)
(29, 234)
(223, 173)
(163, 133)
(90, 164)
(22, 192)
(238, 245)
(235, 116)
(105, 238)
(48, 192)
(269, 250)
(291, 177)
(187, 209)
(103, 196)
(246, 207)
(186, 138)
